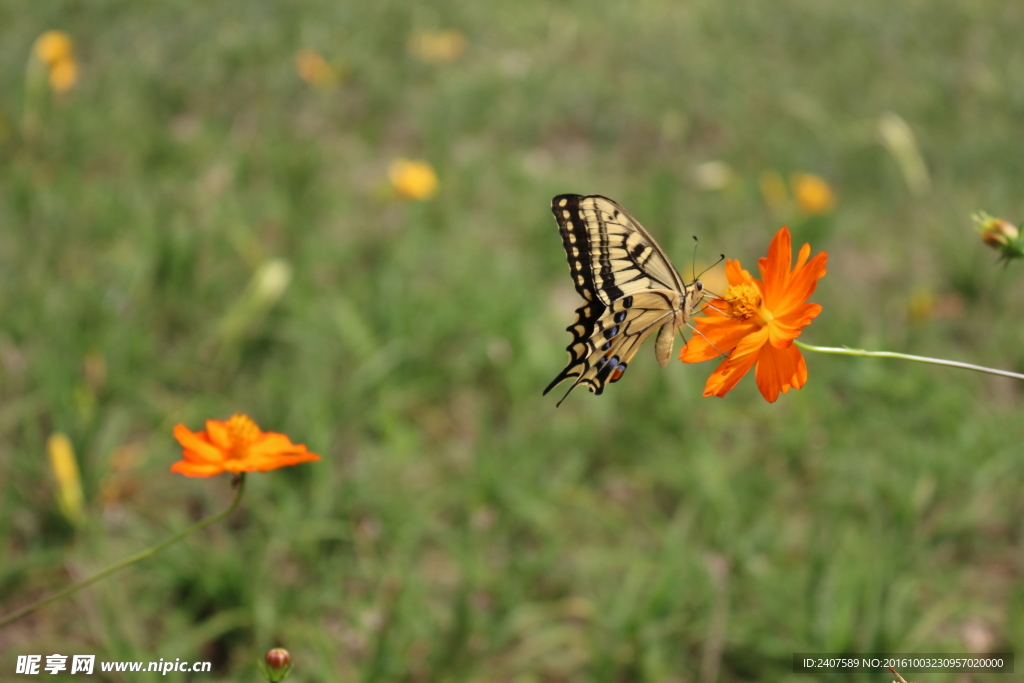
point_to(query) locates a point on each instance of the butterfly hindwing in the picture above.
(604, 344)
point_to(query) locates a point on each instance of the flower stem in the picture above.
(128, 561)
(844, 351)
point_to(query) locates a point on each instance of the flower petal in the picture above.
(268, 461)
(801, 285)
(732, 369)
(727, 374)
(799, 378)
(194, 469)
(715, 339)
(775, 368)
(801, 259)
(735, 273)
(779, 370)
(197, 447)
(272, 443)
(219, 434)
(782, 331)
(775, 268)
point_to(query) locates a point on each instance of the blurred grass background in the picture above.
(459, 527)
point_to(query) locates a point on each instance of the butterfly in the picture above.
(629, 290)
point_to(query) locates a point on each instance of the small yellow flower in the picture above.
(63, 75)
(56, 51)
(314, 69)
(813, 195)
(65, 472)
(54, 47)
(439, 47)
(413, 179)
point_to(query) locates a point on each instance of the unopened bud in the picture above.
(1001, 235)
(276, 665)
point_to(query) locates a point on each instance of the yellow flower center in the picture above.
(242, 431)
(748, 304)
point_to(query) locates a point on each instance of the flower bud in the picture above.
(1001, 235)
(276, 665)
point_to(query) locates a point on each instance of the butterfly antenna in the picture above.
(693, 261)
(721, 257)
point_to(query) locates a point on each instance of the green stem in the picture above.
(844, 351)
(128, 561)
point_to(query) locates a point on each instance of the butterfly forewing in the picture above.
(609, 253)
(629, 288)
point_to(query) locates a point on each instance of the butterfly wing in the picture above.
(604, 344)
(628, 285)
(610, 254)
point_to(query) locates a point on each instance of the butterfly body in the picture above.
(629, 290)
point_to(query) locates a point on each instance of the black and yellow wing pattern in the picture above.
(629, 289)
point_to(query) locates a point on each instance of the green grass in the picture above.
(459, 527)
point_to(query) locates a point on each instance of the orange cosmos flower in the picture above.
(235, 446)
(758, 321)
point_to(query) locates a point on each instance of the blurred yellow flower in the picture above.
(54, 47)
(813, 195)
(413, 179)
(438, 47)
(55, 50)
(773, 189)
(63, 76)
(315, 70)
(65, 473)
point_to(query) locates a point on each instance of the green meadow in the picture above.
(193, 230)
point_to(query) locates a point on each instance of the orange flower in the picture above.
(235, 446)
(758, 321)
